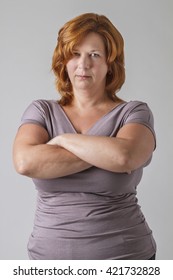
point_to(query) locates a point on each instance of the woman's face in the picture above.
(87, 69)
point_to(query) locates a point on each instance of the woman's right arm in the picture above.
(33, 157)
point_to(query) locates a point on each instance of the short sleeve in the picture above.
(35, 113)
(139, 112)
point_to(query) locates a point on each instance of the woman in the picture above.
(86, 152)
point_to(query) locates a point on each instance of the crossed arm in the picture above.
(38, 157)
(33, 157)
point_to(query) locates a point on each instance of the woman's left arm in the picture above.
(130, 149)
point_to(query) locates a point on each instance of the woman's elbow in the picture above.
(22, 166)
(122, 162)
(128, 162)
(125, 163)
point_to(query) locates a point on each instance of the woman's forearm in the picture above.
(47, 161)
(103, 152)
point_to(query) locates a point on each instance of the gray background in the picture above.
(28, 31)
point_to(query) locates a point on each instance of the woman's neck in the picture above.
(88, 100)
(89, 103)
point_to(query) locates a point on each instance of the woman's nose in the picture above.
(84, 62)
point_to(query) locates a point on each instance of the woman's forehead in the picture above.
(93, 40)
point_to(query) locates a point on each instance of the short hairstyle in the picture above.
(70, 35)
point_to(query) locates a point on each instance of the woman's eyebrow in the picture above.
(96, 50)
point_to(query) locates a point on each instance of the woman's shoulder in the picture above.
(45, 102)
(136, 105)
(41, 109)
(45, 105)
(138, 111)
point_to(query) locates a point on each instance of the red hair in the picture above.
(70, 35)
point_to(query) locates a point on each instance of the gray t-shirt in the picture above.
(93, 214)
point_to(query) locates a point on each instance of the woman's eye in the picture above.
(76, 53)
(94, 55)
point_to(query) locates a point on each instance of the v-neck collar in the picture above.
(96, 123)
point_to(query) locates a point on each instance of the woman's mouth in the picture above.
(83, 77)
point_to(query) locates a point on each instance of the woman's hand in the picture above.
(71, 153)
(54, 141)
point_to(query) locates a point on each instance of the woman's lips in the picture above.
(83, 77)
